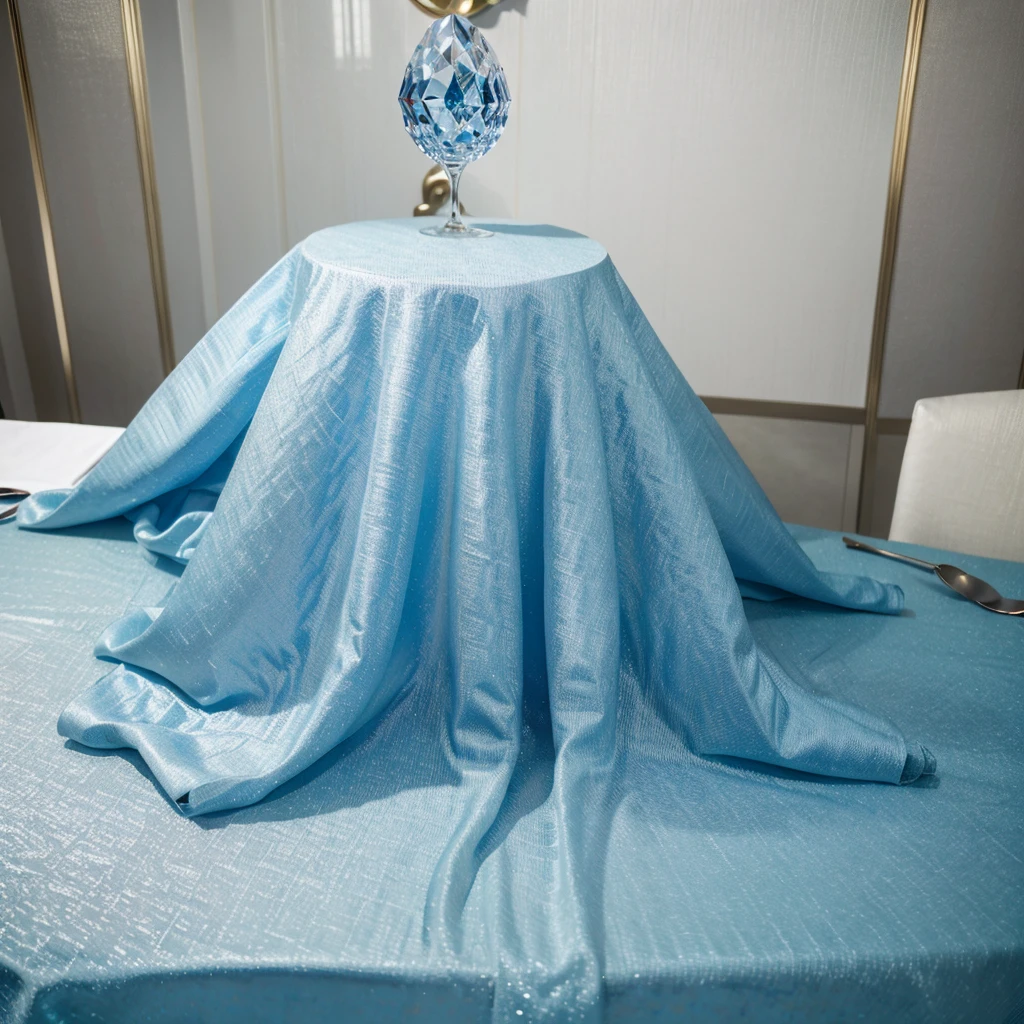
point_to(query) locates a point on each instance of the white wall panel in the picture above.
(346, 153)
(733, 156)
(197, 152)
(168, 111)
(237, 91)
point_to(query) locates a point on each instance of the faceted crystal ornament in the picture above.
(455, 101)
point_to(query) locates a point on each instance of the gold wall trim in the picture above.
(784, 410)
(43, 201)
(439, 8)
(897, 172)
(135, 56)
(846, 414)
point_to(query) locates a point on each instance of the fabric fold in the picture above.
(395, 465)
(191, 419)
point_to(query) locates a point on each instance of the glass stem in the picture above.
(455, 219)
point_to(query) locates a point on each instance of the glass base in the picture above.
(465, 231)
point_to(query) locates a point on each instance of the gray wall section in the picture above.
(808, 469)
(888, 462)
(957, 316)
(23, 236)
(15, 385)
(87, 132)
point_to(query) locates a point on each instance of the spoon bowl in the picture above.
(6, 494)
(977, 590)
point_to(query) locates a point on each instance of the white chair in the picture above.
(962, 481)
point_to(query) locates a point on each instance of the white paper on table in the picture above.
(42, 456)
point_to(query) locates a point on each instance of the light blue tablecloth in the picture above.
(455, 524)
(721, 889)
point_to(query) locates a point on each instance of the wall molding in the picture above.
(843, 414)
(135, 58)
(887, 264)
(894, 426)
(43, 202)
(784, 410)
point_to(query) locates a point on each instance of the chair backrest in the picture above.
(962, 480)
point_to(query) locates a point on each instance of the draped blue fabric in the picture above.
(405, 466)
(718, 890)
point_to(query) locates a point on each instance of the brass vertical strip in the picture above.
(897, 169)
(43, 201)
(1020, 376)
(135, 55)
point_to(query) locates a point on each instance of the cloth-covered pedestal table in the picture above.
(457, 497)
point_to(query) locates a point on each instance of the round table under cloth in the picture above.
(453, 498)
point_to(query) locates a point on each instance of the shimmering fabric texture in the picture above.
(402, 469)
(713, 890)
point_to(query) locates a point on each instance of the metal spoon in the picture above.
(956, 579)
(11, 492)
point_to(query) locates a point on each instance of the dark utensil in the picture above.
(966, 585)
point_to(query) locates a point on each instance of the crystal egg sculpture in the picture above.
(454, 96)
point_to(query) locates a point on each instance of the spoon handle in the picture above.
(861, 546)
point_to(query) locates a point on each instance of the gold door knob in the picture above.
(439, 8)
(436, 191)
